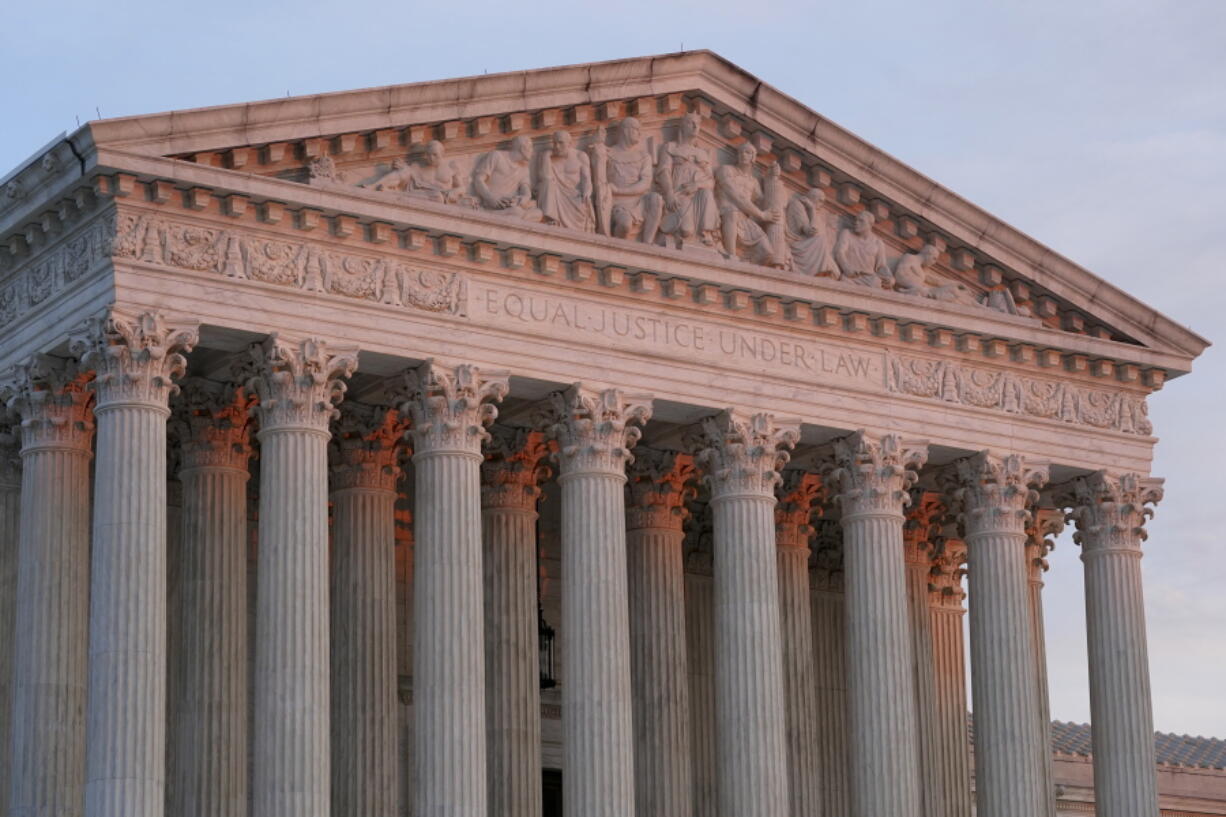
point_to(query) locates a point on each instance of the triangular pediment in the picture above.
(812, 200)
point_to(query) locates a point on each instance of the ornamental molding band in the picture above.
(516, 463)
(800, 495)
(743, 454)
(135, 359)
(994, 493)
(451, 406)
(595, 428)
(299, 383)
(872, 475)
(53, 399)
(659, 487)
(70, 261)
(1110, 511)
(367, 446)
(211, 424)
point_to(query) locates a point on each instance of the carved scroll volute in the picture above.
(742, 455)
(659, 486)
(800, 496)
(299, 383)
(53, 401)
(994, 493)
(1041, 529)
(873, 474)
(1110, 511)
(135, 359)
(515, 466)
(595, 429)
(211, 422)
(368, 444)
(451, 406)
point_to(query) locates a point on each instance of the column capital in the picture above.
(212, 423)
(1043, 525)
(366, 447)
(451, 406)
(994, 492)
(947, 568)
(136, 359)
(658, 486)
(10, 453)
(515, 466)
(299, 382)
(826, 556)
(699, 546)
(1110, 511)
(53, 399)
(595, 428)
(742, 454)
(799, 496)
(924, 531)
(873, 473)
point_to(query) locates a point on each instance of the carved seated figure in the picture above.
(741, 214)
(623, 175)
(502, 181)
(808, 234)
(564, 185)
(861, 255)
(434, 179)
(687, 185)
(913, 276)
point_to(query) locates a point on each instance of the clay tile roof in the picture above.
(1172, 750)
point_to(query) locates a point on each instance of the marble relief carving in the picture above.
(670, 188)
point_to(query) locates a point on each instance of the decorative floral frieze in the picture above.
(135, 359)
(800, 494)
(954, 382)
(54, 402)
(451, 406)
(994, 493)
(295, 264)
(1110, 511)
(211, 424)
(515, 466)
(659, 485)
(595, 428)
(367, 446)
(743, 454)
(299, 383)
(56, 269)
(872, 475)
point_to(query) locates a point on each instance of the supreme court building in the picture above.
(626, 426)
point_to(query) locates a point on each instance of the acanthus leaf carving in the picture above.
(137, 358)
(211, 422)
(659, 486)
(1110, 511)
(1041, 529)
(299, 383)
(872, 475)
(595, 428)
(826, 556)
(515, 466)
(800, 496)
(367, 445)
(994, 494)
(53, 401)
(742, 454)
(451, 406)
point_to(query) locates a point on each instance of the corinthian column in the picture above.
(700, 658)
(212, 425)
(830, 661)
(298, 384)
(741, 456)
(51, 619)
(658, 486)
(797, 495)
(952, 761)
(364, 746)
(1110, 513)
(135, 361)
(509, 492)
(10, 506)
(1043, 524)
(872, 478)
(994, 493)
(920, 537)
(594, 436)
(450, 407)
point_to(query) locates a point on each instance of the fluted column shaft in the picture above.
(449, 415)
(593, 435)
(136, 360)
(364, 739)
(297, 385)
(742, 458)
(700, 657)
(952, 761)
(655, 515)
(52, 599)
(10, 515)
(1008, 734)
(509, 495)
(932, 794)
(1110, 513)
(210, 708)
(872, 480)
(830, 660)
(1044, 522)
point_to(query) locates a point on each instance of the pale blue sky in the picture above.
(1096, 126)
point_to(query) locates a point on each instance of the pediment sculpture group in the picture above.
(680, 197)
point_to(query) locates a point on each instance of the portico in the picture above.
(693, 455)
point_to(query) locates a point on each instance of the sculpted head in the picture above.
(399, 164)
(690, 124)
(745, 155)
(434, 153)
(864, 222)
(561, 143)
(928, 254)
(630, 132)
(815, 195)
(521, 149)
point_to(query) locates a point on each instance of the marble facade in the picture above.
(647, 349)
